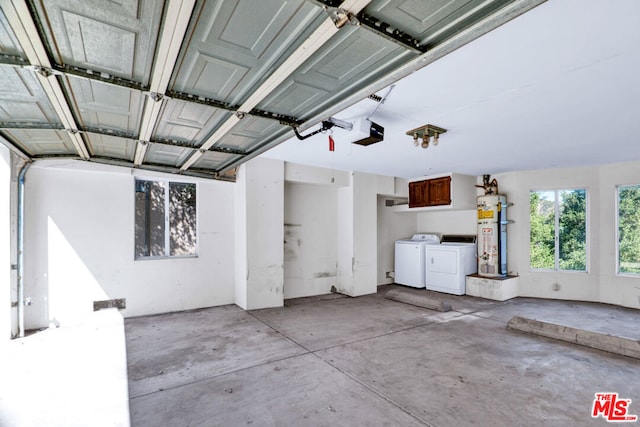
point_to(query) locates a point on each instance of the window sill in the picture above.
(155, 258)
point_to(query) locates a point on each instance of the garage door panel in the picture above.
(251, 132)
(42, 142)
(105, 106)
(22, 99)
(118, 38)
(167, 155)
(188, 122)
(212, 160)
(8, 42)
(236, 44)
(431, 21)
(111, 146)
(349, 61)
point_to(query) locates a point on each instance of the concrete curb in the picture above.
(417, 300)
(610, 343)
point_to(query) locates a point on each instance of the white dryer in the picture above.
(448, 264)
(409, 259)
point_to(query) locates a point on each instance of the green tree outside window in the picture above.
(629, 229)
(558, 231)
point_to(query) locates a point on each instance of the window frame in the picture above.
(556, 225)
(166, 182)
(617, 231)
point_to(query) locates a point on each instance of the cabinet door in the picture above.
(439, 191)
(418, 194)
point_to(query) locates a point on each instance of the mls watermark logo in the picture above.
(612, 408)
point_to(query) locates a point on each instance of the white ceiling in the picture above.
(556, 87)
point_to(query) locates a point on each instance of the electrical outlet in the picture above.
(555, 286)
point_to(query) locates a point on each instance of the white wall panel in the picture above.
(310, 239)
(5, 245)
(79, 247)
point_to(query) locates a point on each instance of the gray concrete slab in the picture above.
(179, 348)
(72, 376)
(471, 371)
(299, 391)
(339, 321)
(370, 361)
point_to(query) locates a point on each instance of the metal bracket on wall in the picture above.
(119, 303)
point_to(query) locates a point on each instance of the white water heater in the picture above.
(492, 235)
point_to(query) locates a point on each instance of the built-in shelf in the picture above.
(404, 208)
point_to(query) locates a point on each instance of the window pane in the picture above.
(149, 227)
(182, 218)
(629, 229)
(572, 233)
(542, 234)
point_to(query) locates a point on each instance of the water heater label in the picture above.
(482, 214)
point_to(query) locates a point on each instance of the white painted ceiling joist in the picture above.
(176, 21)
(26, 32)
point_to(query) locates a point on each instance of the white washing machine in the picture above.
(448, 264)
(409, 259)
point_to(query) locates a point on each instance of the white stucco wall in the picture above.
(310, 239)
(79, 246)
(259, 236)
(365, 232)
(448, 222)
(600, 282)
(79, 239)
(334, 216)
(5, 243)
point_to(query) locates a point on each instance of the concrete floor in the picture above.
(335, 360)
(72, 376)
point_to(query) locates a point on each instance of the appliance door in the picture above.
(409, 264)
(442, 269)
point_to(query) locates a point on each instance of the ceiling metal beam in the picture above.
(31, 125)
(187, 145)
(9, 59)
(311, 45)
(385, 30)
(100, 76)
(26, 31)
(174, 29)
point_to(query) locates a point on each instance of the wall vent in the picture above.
(119, 303)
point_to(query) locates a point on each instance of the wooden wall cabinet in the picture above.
(451, 191)
(418, 194)
(440, 191)
(430, 192)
